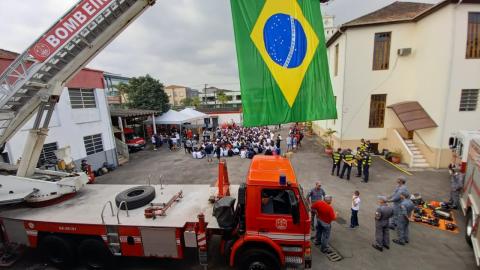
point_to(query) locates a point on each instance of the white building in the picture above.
(406, 77)
(81, 121)
(329, 25)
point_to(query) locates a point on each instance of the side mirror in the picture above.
(294, 207)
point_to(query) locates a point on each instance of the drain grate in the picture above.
(333, 255)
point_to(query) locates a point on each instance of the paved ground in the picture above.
(429, 248)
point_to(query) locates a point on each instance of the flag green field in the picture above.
(282, 60)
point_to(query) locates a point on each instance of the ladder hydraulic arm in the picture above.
(34, 81)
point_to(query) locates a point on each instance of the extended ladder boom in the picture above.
(33, 82)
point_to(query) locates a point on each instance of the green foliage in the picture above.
(328, 138)
(195, 102)
(222, 97)
(145, 92)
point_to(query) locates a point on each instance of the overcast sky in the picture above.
(186, 42)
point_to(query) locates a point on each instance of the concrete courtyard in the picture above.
(428, 249)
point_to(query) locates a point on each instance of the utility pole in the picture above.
(205, 95)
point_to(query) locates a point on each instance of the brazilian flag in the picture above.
(282, 61)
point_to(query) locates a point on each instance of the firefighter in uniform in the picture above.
(336, 161)
(363, 145)
(382, 218)
(406, 208)
(366, 162)
(358, 159)
(347, 164)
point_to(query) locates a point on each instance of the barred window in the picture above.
(377, 111)
(93, 144)
(48, 153)
(469, 100)
(82, 98)
(473, 35)
(381, 51)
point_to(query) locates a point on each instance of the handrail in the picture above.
(424, 143)
(405, 146)
(103, 210)
(120, 208)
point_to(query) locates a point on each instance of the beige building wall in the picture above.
(176, 95)
(434, 75)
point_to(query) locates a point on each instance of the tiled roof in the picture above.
(395, 12)
(8, 54)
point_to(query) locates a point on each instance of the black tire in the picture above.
(58, 250)
(258, 259)
(469, 223)
(135, 197)
(93, 254)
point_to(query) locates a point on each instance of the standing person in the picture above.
(406, 208)
(209, 152)
(382, 219)
(218, 151)
(177, 137)
(456, 185)
(278, 141)
(325, 216)
(366, 163)
(395, 198)
(355, 208)
(358, 159)
(154, 142)
(347, 164)
(316, 194)
(294, 142)
(336, 161)
(188, 146)
(289, 143)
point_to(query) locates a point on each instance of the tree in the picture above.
(222, 97)
(195, 102)
(147, 93)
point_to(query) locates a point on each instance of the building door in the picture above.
(214, 122)
(410, 135)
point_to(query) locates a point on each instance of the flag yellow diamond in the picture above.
(287, 44)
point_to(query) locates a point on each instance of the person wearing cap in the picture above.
(347, 164)
(456, 186)
(316, 194)
(382, 218)
(325, 216)
(396, 200)
(267, 204)
(406, 208)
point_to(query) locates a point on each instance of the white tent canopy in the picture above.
(172, 117)
(194, 113)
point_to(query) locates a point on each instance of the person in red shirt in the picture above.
(325, 216)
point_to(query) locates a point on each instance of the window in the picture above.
(82, 98)
(93, 144)
(469, 100)
(381, 51)
(335, 71)
(48, 153)
(275, 201)
(377, 111)
(473, 36)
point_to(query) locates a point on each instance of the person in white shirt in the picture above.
(355, 208)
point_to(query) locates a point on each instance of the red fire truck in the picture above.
(164, 220)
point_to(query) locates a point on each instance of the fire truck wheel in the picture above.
(469, 227)
(58, 250)
(135, 197)
(258, 259)
(94, 254)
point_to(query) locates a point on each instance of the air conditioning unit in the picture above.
(404, 52)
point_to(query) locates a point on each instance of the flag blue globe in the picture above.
(285, 40)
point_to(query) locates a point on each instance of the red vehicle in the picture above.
(164, 221)
(134, 142)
